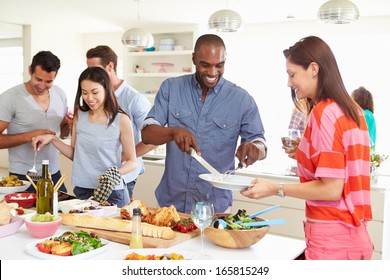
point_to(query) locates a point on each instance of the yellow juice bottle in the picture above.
(136, 233)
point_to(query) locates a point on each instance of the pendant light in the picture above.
(225, 21)
(136, 38)
(338, 12)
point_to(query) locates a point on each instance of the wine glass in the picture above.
(291, 138)
(69, 118)
(202, 214)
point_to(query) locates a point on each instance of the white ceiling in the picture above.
(88, 16)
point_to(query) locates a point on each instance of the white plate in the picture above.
(231, 182)
(33, 251)
(8, 190)
(158, 252)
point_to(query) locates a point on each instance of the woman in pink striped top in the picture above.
(333, 158)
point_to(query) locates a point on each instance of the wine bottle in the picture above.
(136, 233)
(45, 190)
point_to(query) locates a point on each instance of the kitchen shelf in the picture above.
(156, 75)
(150, 79)
(161, 53)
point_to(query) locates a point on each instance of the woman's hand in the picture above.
(41, 140)
(261, 189)
(291, 153)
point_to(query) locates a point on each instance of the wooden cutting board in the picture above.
(149, 242)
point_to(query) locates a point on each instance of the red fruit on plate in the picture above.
(19, 211)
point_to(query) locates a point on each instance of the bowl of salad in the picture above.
(235, 234)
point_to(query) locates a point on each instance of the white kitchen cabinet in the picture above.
(153, 67)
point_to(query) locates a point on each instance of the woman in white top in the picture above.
(103, 139)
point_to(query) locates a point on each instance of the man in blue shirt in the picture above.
(208, 113)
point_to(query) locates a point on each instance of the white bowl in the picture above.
(99, 211)
(109, 210)
(67, 205)
(8, 190)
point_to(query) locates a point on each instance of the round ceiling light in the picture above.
(225, 21)
(137, 38)
(338, 12)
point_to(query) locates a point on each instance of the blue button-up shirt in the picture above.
(137, 106)
(227, 113)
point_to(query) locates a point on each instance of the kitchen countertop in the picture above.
(270, 170)
(271, 247)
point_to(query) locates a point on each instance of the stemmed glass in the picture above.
(291, 138)
(202, 214)
(69, 118)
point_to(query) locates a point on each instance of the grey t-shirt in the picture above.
(23, 113)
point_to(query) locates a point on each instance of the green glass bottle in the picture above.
(45, 190)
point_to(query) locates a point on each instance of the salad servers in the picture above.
(264, 223)
(264, 211)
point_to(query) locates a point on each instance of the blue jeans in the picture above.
(130, 187)
(119, 197)
(55, 177)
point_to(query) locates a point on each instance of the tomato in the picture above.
(184, 229)
(19, 211)
(45, 246)
(193, 226)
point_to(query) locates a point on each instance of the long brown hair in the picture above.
(98, 75)
(330, 84)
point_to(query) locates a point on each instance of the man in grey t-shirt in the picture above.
(33, 108)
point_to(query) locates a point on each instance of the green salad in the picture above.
(234, 221)
(81, 241)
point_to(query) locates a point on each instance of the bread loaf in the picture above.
(5, 214)
(126, 211)
(115, 224)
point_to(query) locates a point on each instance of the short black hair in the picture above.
(47, 60)
(209, 39)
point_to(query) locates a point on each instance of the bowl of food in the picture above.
(236, 237)
(88, 210)
(42, 225)
(109, 208)
(73, 204)
(25, 200)
(11, 184)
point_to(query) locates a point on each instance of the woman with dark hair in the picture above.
(365, 100)
(103, 139)
(333, 158)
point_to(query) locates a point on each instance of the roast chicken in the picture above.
(164, 216)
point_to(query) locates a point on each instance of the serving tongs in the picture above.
(231, 171)
(206, 165)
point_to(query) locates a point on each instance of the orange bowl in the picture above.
(42, 229)
(25, 200)
(230, 238)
